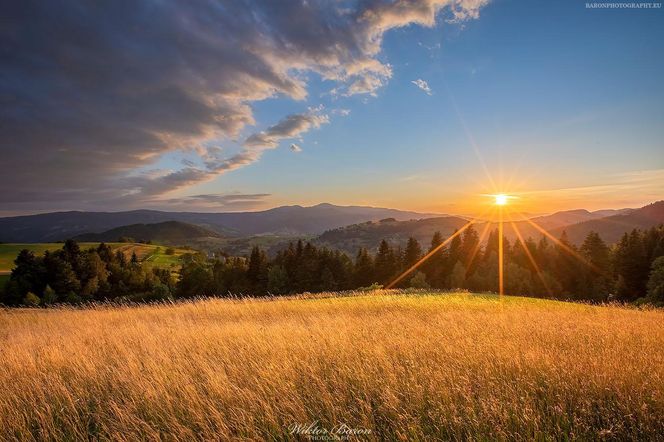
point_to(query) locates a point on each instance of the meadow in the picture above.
(389, 365)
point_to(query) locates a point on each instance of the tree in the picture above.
(327, 281)
(418, 281)
(71, 253)
(195, 280)
(277, 280)
(566, 267)
(454, 253)
(458, 276)
(518, 280)
(631, 267)
(386, 265)
(257, 271)
(435, 267)
(60, 274)
(160, 292)
(93, 273)
(595, 284)
(105, 252)
(469, 249)
(412, 253)
(656, 282)
(28, 275)
(363, 272)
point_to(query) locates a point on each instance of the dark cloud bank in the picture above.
(93, 90)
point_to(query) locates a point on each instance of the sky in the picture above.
(425, 105)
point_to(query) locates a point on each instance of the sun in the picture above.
(501, 199)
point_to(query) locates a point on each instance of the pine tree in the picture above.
(454, 253)
(386, 265)
(469, 249)
(257, 271)
(435, 266)
(656, 282)
(566, 268)
(595, 283)
(458, 276)
(363, 271)
(631, 267)
(412, 253)
(277, 280)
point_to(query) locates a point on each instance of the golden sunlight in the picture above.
(501, 199)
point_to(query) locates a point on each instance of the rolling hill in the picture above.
(285, 220)
(370, 234)
(569, 217)
(168, 232)
(611, 228)
(577, 224)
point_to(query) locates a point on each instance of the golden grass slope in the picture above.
(405, 367)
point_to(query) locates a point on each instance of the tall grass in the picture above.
(402, 366)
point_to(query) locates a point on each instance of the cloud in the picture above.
(94, 92)
(227, 201)
(295, 148)
(342, 112)
(423, 85)
(290, 127)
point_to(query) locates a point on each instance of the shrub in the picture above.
(31, 300)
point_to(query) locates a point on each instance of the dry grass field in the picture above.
(402, 366)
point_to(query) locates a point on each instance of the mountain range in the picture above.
(610, 224)
(285, 220)
(341, 227)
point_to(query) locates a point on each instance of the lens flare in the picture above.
(501, 199)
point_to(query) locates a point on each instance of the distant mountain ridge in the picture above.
(569, 217)
(283, 220)
(577, 224)
(611, 228)
(343, 227)
(168, 232)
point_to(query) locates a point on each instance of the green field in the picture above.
(151, 254)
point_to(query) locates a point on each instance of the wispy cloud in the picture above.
(423, 85)
(629, 188)
(214, 201)
(290, 127)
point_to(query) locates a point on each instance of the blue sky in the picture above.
(559, 95)
(560, 104)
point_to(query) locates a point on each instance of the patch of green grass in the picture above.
(159, 258)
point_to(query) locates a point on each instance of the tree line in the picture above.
(631, 270)
(71, 276)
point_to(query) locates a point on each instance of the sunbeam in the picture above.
(477, 247)
(530, 256)
(562, 245)
(433, 251)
